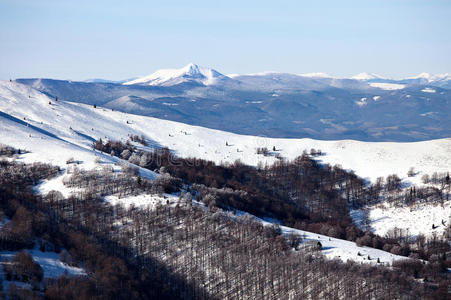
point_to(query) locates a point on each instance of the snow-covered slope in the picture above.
(431, 78)
(50, 263)
(332, 248)
(190, 73)
(60, 130)
(424, 218)
(366, 76)
(317, 75)
(388, 86)
(55, 131)
(52, 131)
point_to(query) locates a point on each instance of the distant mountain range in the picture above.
(365, 107)
(193, 73)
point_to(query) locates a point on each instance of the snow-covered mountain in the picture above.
(431, 78)
(279, 105)
(366, 107)
(438, 80)
(56, 131)
(366, 76)
(194, 74)
(191, 73)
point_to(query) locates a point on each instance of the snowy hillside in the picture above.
(332, 248)
(190, 73)
(42, 127)
(427, 219)
(59, 130)
(56, 131)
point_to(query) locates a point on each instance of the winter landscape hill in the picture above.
(28, 110)
(365, 107)
(37, 120)
(34, 122)
(307, 156)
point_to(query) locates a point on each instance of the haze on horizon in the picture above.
(117, 40)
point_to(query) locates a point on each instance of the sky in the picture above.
(117, 40)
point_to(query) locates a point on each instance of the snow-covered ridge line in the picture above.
(208, 76)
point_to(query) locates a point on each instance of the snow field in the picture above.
(421, 218)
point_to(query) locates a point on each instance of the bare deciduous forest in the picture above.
(206, 252)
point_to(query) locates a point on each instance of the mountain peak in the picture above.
(190, 73)
(191, 68)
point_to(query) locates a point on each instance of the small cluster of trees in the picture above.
(115, 148)
(437, 178)
(7, 151)
(23, 268)
(139, 139)
(263, 150)
(315, 152)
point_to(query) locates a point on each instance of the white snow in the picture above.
(417, 219)
(233, 75)
(362, 102)
(54, 184)
(376, 98)
(317, 75)
(428, 90)
(387, 86)
(338, 248)
(56, 132)
(423, 75)
(431, 78)
(141, 200)
(366, 76)
(49, 262)
(428, 114)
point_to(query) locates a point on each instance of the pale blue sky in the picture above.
(122, 39)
